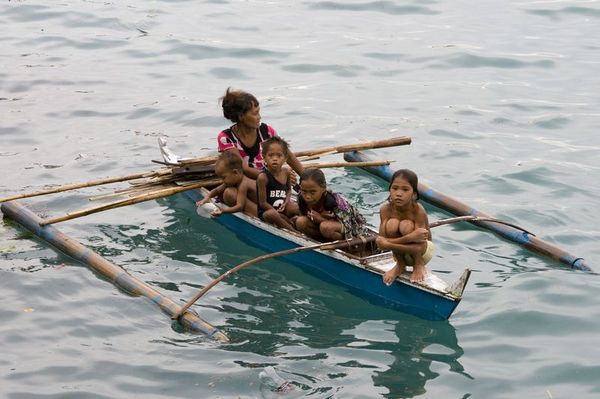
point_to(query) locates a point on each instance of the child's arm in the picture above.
(420, 234)
(422, 221)
(288, 194)
(213, 193)
(261, 191)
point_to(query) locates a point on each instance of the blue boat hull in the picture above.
(358, 280)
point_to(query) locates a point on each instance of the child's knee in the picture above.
(230, 196)
(302, 223)
(406, 226)
(422, 247)
(392, 227)
(270, 216)
(329, 229)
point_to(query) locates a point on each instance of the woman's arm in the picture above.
(295, 163)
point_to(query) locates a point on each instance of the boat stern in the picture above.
(456, 290)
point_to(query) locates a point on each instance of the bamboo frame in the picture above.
(346, 164)
(130, 201)
(134, 176)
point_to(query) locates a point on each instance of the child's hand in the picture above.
(281, 208)
(217, 212)
(382, 242)
(202, 201)
(315, 217)
(293, 178)
(420, 235)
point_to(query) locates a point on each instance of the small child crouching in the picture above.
(237, 191)
(324, 215)
(404, 228)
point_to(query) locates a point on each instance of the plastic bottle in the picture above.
(269, 378)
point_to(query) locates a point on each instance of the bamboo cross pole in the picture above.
(141, 175)
(368, 145)
(346, 164)
(130, 201)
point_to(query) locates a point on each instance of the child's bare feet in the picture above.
(390, 275)
(418, 274)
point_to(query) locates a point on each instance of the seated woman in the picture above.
(247, 133)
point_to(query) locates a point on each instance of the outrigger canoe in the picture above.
(359, 270)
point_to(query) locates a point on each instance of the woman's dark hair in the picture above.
(411, 178)
(275, 140)
(236, 103)
(315, 175)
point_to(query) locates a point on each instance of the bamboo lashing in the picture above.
(130, 201)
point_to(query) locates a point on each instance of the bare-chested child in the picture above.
(237, 191)
(404, 228)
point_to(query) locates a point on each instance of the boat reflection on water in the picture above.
(313, 334)
(421, 345)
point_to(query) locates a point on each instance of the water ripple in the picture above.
(386, 7)
(463, 60)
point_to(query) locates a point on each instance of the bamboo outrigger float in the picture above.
(458, 208)
(112, 272)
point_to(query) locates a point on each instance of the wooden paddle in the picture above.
(326, 247)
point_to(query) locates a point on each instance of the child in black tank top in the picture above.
(273, 186)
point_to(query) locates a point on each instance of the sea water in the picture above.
(500, 99)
